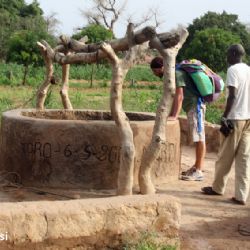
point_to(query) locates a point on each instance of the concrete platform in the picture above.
(104, 223)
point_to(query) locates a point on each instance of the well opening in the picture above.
(84, 115)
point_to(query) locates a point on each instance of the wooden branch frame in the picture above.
(164, 108)
(71, 51)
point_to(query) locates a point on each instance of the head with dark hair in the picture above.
(156, 63)
(235, 54)
(157, 66)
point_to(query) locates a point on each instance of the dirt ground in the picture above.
(207, 223)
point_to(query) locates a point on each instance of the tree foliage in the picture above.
(22, 49)
(15, 16)
(32, 9)
(213, 21)
(210, 46)
(13, 6)
(95, 33)
(224, 21)
(22, 25)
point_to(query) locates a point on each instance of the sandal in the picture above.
(235, 201)
(209, 191)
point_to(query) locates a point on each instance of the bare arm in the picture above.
(230, 101)
(177, 104)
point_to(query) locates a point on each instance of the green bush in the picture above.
(84, 71)
(141, 73)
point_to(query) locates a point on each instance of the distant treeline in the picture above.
(22, 25)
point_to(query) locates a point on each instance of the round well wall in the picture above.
(79, 148)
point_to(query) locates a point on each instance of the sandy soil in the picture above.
(209, 222)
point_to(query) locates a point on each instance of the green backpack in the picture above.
(208, 83)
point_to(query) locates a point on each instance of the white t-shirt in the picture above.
(238, 76)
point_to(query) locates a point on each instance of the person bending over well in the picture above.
(186, 97)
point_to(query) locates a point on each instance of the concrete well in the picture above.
(79, 148)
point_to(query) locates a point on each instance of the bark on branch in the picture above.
(119, 70)
(65, 87)
(163, 111)
(42, 91)
(90, 53)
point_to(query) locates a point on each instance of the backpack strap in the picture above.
(199, 114)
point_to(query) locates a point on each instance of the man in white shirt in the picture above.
(235, 127)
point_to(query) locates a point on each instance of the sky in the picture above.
(172, 12)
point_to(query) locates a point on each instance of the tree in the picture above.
(210, 46)
(52, 23)
(6, 28)
(95, 33)
(152, 15)
(108, 12)
(159, 136)
(213, 19)
(16, 15)
(105, 13)
(225, 21)
(23, 50)
(9, 20)
(13, 6)
(32, 9)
